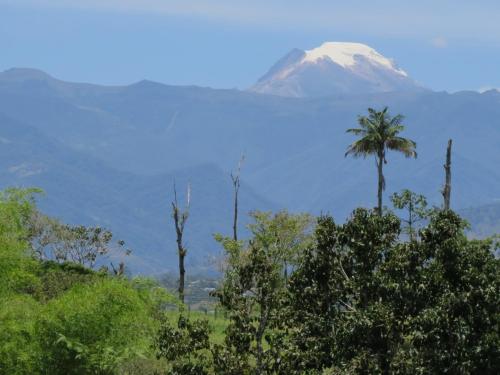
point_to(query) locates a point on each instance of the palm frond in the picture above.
(356, 131)
(394, 130)
(361, 148)
(377, 131)
(396, 120)
(365, 122)
(403, 145)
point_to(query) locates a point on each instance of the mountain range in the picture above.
(110, 155)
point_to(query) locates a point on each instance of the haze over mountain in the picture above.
(110, 155)
(334, 68)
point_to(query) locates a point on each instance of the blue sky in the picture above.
(444, 45)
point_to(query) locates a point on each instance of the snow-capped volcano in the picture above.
(334, 68)
(348, 54)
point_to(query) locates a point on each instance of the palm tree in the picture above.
(379, 133)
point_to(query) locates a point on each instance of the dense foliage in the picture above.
(361, 300)
(63, 318)
(352, 298)
(367, 303)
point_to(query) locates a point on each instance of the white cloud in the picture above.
(439, 42)
(488, 88)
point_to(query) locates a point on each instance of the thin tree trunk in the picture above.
(236, 185)
(179, 227)
(182, 273)
(182, 254)
(264, 315)
(447, 186)
(235, 219)
(380, 183)
(180, 218)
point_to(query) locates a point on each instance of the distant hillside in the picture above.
(110, 154)
(82, 190)
(484, 220)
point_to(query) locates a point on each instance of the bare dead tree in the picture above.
(180, 217)
(235, 177)
(447, 186)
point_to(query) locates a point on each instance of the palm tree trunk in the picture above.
(447, 186)
(410, 220)
(380, 183)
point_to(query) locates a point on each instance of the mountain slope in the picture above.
(83, 190)
(331, 69)
(110, 154)
(484, 220)
(291, 144)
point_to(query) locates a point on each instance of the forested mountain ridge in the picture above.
(84, 190)
(109, 155)
(484, 220)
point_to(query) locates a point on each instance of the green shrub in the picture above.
(19, 349)
(93, 328)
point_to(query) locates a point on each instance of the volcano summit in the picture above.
(334, 68)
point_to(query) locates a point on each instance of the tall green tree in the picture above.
(362, 302)
(253, 289)
(378, 133)
(416, 207)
